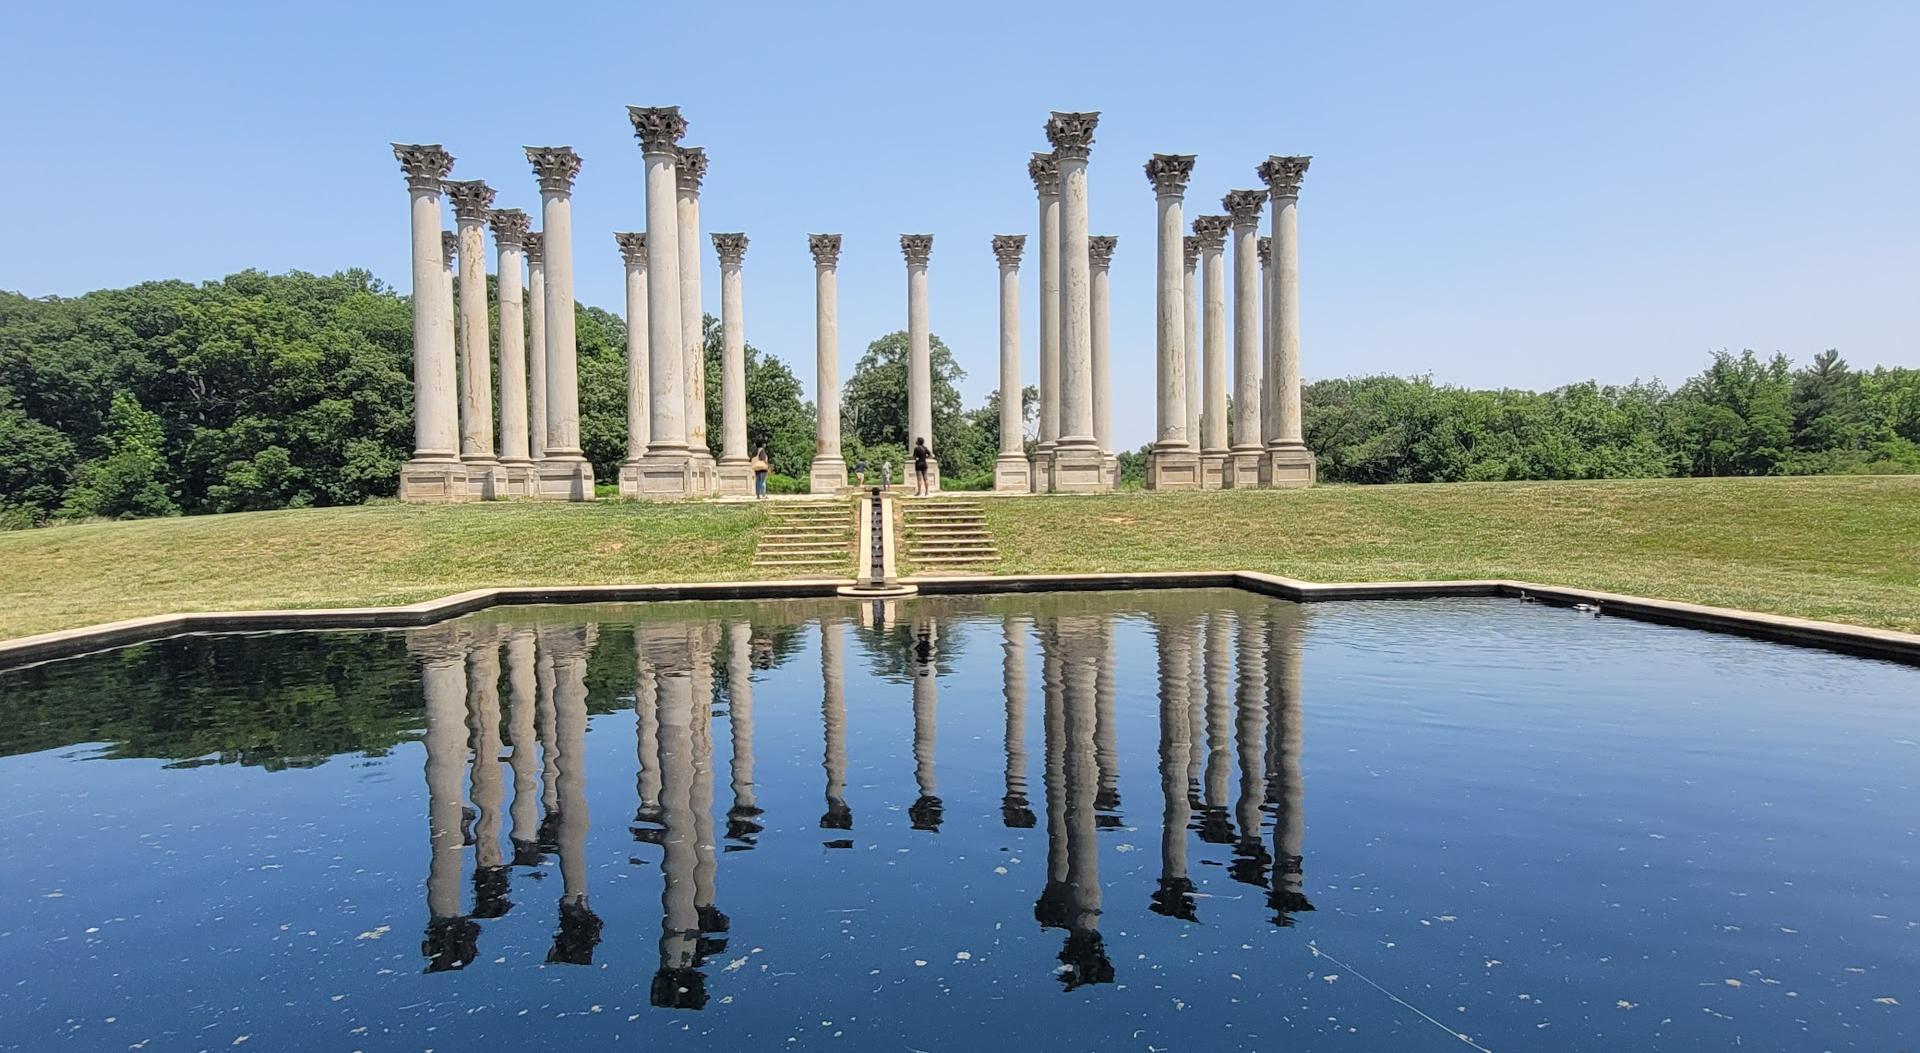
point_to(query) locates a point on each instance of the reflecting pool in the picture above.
(1193, 820)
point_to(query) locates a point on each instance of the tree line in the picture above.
(267, 391)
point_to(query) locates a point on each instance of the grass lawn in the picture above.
(1843, 548)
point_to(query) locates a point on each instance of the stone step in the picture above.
(956, 561)
(806, 535)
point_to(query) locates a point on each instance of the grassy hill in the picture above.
(1844, 548)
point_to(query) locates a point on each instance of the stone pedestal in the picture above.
(1041, 468)
(1078, 470)
(1289, 466)
(563, 479)
(1174, 468)
(1213, 471)
(433, 481)
(828, 475)
(733, 478)
(1242, 469)
(1012, 473)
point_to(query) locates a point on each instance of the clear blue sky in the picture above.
(1500, 195)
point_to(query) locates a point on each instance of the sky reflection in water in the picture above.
(1182, 820)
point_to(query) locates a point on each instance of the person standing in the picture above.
(921, 455)
(760, 468)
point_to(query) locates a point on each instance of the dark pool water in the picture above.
(1163, 821)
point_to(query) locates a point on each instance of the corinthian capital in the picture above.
(731, 247)
(1169, 173)
(1211, 231)
(1263, 248)
(1045, 172)
(1244, 206)
(471, 198)
(1100, 249)
(918, 248)
(424, 164)
(1283, 175)
(536, 247)
(509, 227)
(1072, 134)
(1190, 249)
(691, 168)
(556, 166)
(1009, 247)
(825, 249)
(449, 247)
(657, 127)
(633, 247)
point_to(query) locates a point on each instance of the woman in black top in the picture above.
(920, 456)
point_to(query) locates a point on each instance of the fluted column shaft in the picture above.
(1049, 318)
(436, 419)
(476, 425)
(692, 340)
(1286, 319)
(1012, 424)
(1196, 370)
(1246, 337)
(536, 300)
(513, 356)
(639, 422)
(1270, 379)
(919, 351)
(1101, 375)
(733, 361)
(826, 360)
(1170, 326)
(1076, 354)
(563, 377)
(1214, 339)
(666, 350)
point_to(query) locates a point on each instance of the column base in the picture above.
(485, 480)
(708, 470)
(1042, 466)
(1174, 468)
(733, 478)
(1079, 470)
(517, 479)
(433, 481)
(1111, 465)
(909, 486)
(666, 475)
(1242, 471)
(1289, 467)
(1011, 472)
(1213, 469)
(630, 479)
(828, 475)
(563, 478)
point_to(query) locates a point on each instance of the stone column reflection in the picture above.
(647, 785)
(833, 717)
(692, 169)
(488, 779)
(829, 472)
(1106, 727)
(1050, 910)
(434, 472)
(735, 467)
(743, 819)
(1015, 811)
(516, 462)
(1173, 897)
(1215, 826)
(578, 932)
(678, 983)
(1084, 956)
(1010, 469)
(926, 811)
(633, 253)
(706, 868)
(524, 737)
(452, 938)
(1250, 857)
(1045, 171)
(1243, 467)
(1287, 624)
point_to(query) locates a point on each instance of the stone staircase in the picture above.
(947, 535)
(807, 539)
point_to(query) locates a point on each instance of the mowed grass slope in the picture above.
(1841, 548)
(61, 577)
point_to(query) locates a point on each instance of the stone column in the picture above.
(918, 248)
(434, 472)
(1289, 462)
(1190, 282)
(829, 472)
(668, 469)
(1269, 403)
(633, 253)
(1045, 171)
(536, 345)
(693, 338)
(450, 307)
(472, 200)
(1243, 466)
(1078, 464)
(736, 464)
(1010, 469)
(562, 474)
(1174, 463)
(516, 463)
(1212, 232)
(1099, 259)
